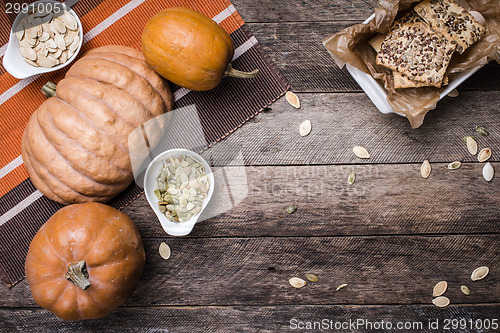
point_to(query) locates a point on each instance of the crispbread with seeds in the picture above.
(402, 81)
(418, 52)
(376, 41)
(410, 16)
(451, 21)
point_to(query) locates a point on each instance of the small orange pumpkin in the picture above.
(85, 261)
(189, 49)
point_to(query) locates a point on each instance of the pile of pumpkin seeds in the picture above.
(48, 38)
(182, 186)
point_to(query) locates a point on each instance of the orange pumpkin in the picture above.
(76, 146)
(85, 261)
(189, 49)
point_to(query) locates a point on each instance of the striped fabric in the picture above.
(23, 209)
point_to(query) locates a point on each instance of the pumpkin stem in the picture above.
(230, 71)
(77, 273)
(49, 89)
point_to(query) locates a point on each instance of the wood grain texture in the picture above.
(305, 10)
(298, 51)
(246, 318)
(342, 121)
(384, 200)
(255, 271)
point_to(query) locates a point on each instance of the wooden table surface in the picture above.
(391, 236)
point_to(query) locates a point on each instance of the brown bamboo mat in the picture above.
(222, 110)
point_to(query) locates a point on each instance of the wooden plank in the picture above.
(300, 10)
(260, 319)
(298, 51)
(342, 121)
(255, 271)
(384, 200)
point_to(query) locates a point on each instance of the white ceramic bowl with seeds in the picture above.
(13, 60)
(150, 185)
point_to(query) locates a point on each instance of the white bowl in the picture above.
(14, 62)
(152, 172)
(377, 93)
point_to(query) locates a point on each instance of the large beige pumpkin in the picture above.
(75, 146)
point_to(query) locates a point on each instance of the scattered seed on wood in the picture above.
(164, 251)
(479, 273)
(484, 155)
(361, 152)
(488, 172)
(305, 128)
(351, 178)
(453, 93)
(481, 130)
(292, 99)
(425, 169)
(471, 145)
(341, 286)
(312, 277)
(441, 301)
(454, 165)
(440, 288)
(297, 282)
(465, 290)
(291, 209)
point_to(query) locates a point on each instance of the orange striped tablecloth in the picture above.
(23, 209)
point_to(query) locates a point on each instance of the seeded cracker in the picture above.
(451, 21)
(418, 52)
(408, 17)
(401, 81)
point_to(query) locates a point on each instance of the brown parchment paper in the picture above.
(351, 46)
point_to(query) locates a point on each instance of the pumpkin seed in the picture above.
(305, 128)
(440, 288)
(32, 63)
(488, 172)
(312, 277)
(57, 54)
(58, 24)
(481, 130)
(184, 185)
(351, 178)
(44, 37)
(484, 155)
(291, 209)
(454, 165)
(164, 251)
(471, 145)
(425, 169)
(61, 44)
(361, 152)
(46, 62)
(297, 282)
(343, 285)
(41, 32)
(453, 93)
(479, 273)
(465, 290)
(292, 99)
(69, 21)
(441, 301)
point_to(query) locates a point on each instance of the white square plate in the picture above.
(378, 94)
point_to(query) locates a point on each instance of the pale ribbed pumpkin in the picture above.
(85, 261)
(75, 146)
